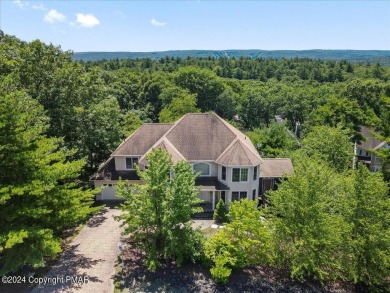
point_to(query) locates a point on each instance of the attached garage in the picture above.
(108, 193)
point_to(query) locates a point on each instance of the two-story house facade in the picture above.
(228, 163)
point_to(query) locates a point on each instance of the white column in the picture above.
(213, 200)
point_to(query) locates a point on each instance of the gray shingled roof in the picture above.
(210, 184)
(239, 154)
(165, 145)
(142, 139)
(194, 137)
(200, 136)
(372, 142)
(276, 168)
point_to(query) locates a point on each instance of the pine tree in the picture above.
(39, 193)
(220, 213)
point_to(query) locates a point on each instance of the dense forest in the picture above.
(62, 118)
(354, 56)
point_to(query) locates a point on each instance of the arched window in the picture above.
(203, 168)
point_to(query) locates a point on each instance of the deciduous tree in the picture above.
(306, 229)
(158, 213)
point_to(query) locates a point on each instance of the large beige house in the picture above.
(229, 164)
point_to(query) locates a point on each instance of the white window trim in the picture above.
(247, 178)
(129, 157)
(239, 191)
(201, 162)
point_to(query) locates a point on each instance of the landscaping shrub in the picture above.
(220, 213)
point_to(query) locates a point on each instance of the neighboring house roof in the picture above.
(108, 172)
(194, 137)
(276, 168)
(210, 184)
(372, 143)
(142, 139)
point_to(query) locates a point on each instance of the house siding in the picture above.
(120, 163)
(248, 186)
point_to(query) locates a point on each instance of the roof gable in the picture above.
(239, 154)
(164, 144)
(200, 136)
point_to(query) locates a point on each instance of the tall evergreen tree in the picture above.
(39, 193)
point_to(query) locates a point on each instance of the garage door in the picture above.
(108, 193)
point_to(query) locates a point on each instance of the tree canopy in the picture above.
(158, 213)
(39, 192)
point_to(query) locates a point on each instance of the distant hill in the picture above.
(356, 56)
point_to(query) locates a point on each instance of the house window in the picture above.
(131, 162)
(254, 194)
(255, 175)
(203, 168)
(223, 176)
(223, 196)
(236, 175)
(238, 195)
(240, 175)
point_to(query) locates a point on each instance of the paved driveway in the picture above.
(92, 255)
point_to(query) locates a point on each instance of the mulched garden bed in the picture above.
(194, 278)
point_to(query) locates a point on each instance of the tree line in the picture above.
(95, 105)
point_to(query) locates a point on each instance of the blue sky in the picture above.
(181, 25)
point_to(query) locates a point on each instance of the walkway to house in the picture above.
(202, 223)
(92, 254)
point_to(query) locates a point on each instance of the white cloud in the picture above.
(20, 4)
(87, 20)
(54, 16)
(39, 7)
(155, 22)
